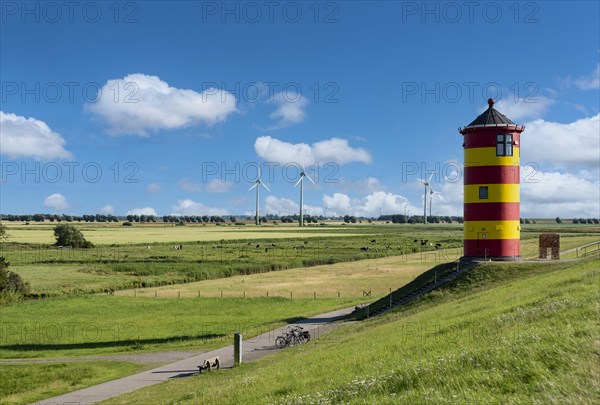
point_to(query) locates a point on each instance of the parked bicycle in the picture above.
(292, 335)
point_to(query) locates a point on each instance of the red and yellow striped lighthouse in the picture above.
(491, 186)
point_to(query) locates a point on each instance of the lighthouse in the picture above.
(492, 145)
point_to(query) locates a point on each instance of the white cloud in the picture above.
(138, 104)
(107, 210)
(153, 188)
(188, 185)
(290, 109)
(56, 201)
(368, 185)
(552, 194)
(575, 144)
(370, 205)
(543, 195)
(531, 107)
(142, 211)
(29, 137)
(218, 186)
(191, 207)
(334, 150)
(285, 206)
(590, 82)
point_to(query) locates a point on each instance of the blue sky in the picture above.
(368, 95)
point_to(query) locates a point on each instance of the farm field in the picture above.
(351, 279)
(115, 233)
(53, 271)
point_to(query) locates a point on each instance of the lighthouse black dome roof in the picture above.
(491, 116)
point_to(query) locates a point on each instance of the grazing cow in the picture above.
(249, 243)
(388, 247)
(266, 250)
(373, 241)
(306, 242)
(415, 241)
(365, 249)
(258, 246)
(273, 245)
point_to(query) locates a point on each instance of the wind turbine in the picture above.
(431, 193)
(426, 184)
(301, 182)
(257, 183)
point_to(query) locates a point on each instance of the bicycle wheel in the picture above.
(280, 342)
(305, 337)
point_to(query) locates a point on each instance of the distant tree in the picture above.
(232, 218)
(558, 220)
(10, 281)
(69, 235)
(127, 223)
(3, 232)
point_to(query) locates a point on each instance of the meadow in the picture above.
(115, 266)
(223, 279)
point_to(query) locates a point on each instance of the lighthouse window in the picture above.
(483, 193)
(504, 145)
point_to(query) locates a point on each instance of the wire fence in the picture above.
(254, 293)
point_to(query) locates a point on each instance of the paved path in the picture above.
(252, 349)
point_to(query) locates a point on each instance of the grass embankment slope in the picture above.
(504, 333)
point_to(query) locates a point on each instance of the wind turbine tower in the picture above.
(301, 182)
(425, 197)
(257, 183)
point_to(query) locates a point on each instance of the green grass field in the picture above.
(505, 333)
(72, 326)
(53, 271)
(348, 279)
(24, 384)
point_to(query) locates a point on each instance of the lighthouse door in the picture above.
(482, 244)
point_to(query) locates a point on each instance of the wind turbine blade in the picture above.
(255, 184)
(298, 182)
(308, 177)
(263, 184)
(422, 181)
(258, 169)
(428, 181)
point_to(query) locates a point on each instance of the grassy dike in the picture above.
(504, 333)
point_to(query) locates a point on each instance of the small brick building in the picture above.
(550, 241)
